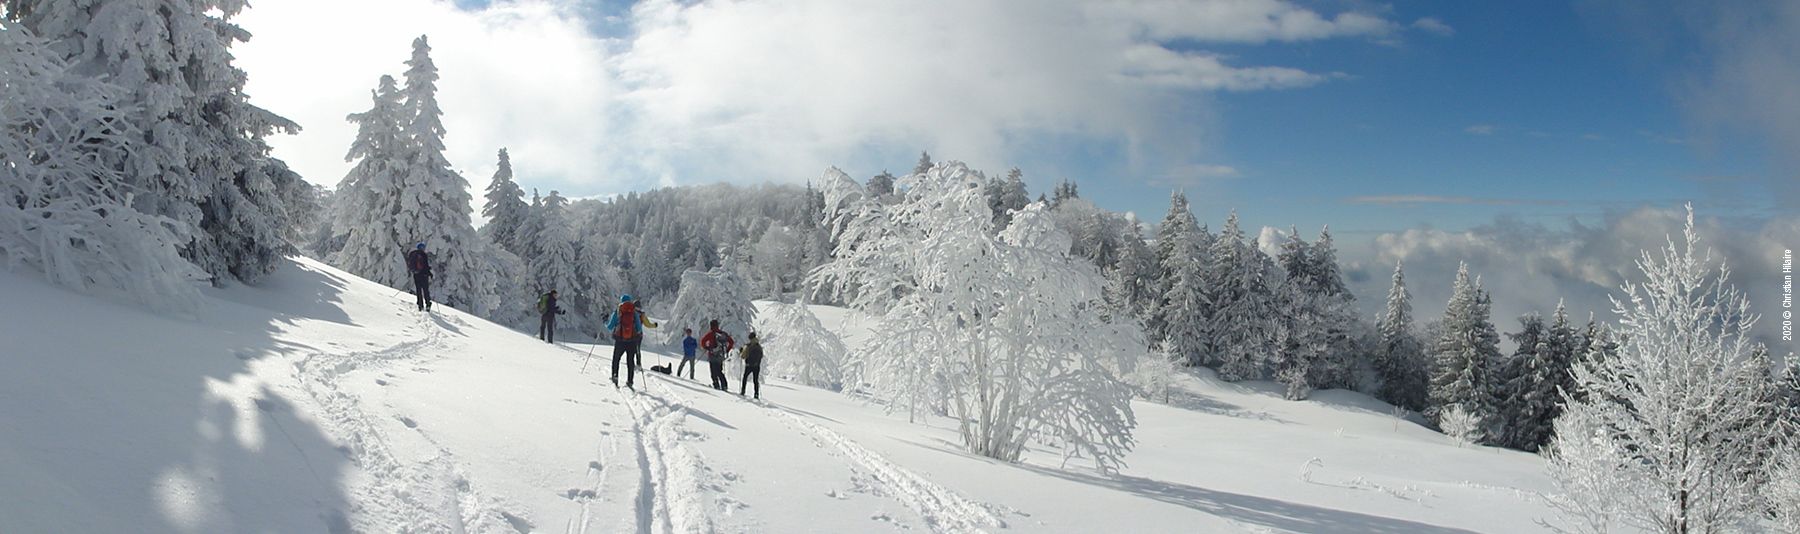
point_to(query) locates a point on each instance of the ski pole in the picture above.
(590, 355)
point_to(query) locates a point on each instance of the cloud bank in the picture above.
(1530, 267)
(689, 92)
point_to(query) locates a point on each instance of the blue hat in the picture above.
(624, 299)
(421, 245)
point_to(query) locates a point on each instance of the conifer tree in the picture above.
(1671, 433)
(880, 184)
(67, 208)
(924, 165)
(1180, 310)
(555, 267)
(196, 153)
(1240, 330)
(1399, 362)
(368, 198)
(506, 209)
(435, 202)
(1466, 346)
(1533, 379)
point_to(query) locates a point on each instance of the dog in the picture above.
(664, 369)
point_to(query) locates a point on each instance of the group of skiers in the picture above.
(627, 325)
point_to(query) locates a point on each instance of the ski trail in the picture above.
(646, 480)
(944, 510)
(389, 495)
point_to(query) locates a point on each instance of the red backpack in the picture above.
(628, 321)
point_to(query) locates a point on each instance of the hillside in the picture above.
(317, 401)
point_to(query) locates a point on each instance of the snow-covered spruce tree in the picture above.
(368, 198)
(1399, 361)
(1180, 311)
(506, 209)
(196, 152)
(435, 202)
(68, 210)
(799, 348)
(555, 264)
(880, 184)
(925, 165)
(1670, 434)
(1005, 331)
(1466, 346)
(1240, 287)
(1007, 195)
(1318, 319)
(1532, 381)
(716, 295)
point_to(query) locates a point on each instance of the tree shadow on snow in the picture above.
(115, 419)
(1249, 509)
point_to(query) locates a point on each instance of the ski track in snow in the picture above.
(647, 480)
(392, 495)
(944, 510)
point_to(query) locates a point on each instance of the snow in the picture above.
(315, 401)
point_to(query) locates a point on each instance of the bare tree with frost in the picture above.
(1004, 332)
(1670, 433)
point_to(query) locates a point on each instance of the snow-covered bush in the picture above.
(1462, 424)
(1784, 488)
(64, 208)
(1671, 433)
(719, 294)
(1154, 377)
(1007, 333)
(799, 348)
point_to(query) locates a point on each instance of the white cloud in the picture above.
(763, 89)
(1241, 21)
(1434, 27)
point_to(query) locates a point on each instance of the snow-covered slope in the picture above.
(319, 402)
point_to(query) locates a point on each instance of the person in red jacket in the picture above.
(717, 344)
(627, 327)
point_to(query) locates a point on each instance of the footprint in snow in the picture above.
(381, 382)
(518, 523)
(409, 422)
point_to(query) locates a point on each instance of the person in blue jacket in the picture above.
(688, 346)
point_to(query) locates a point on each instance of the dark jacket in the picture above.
(418, 262)
(753, 354)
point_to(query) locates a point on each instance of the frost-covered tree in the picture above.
(1180, 312)
(706, 296)
(435, 201)
(797, 347)
(67, 209)
(1006, 195)
(1003, 332)
(925, 164)
(1783, 491)
(1155, 374)
(1065, 191)
(1462, 425)
(195, 151)
(1466, 347)
(368, 198)
(505, 210)
(1240, 289)
(1533, 379)
(880, 184)
(1399, 360)
(554, 264)
(1318, 322)
(1671, 433)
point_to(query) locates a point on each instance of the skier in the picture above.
(627, 327)
(717, 344)
(753, 356)
(419, 265)
(688, 344)
(547, 312)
